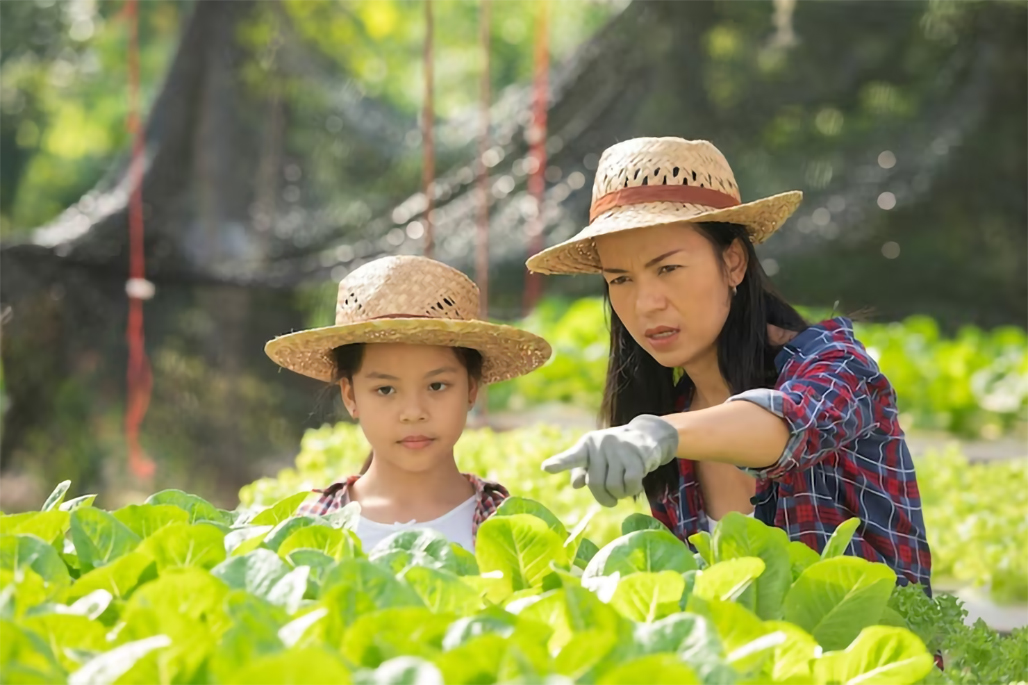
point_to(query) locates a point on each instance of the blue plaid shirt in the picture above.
(846, 457)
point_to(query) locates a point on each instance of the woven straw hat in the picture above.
(413, 300)
(647, 182)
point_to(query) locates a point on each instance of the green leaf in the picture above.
(573, 610)
(18, 552)
(289, 591)
(792, 658)
(835, 599)
(281, 532)
(75, 503)
(296, 631)
(693, 638)
(641, 551)
(880, 654)
(109, 666)
(304, 666)
(256, 572)
(420, 547)
(346, 518)
(21, 593)
(49, 526)
(739, 629)
(442, 591)
(840, 539)
(240, 541)
(666, 669)
(702, 542)
(742, 536)
(355, 587)
(182, 544)
(646, 597)
(521, 505)
(280, 511)
(197, 508)
(467, 565)
(383, 635)
(585, 652)
(801, 558)
(726, 580)
(521, 547)
(403, 670)
(57, 496)
(319, 564)
(336, 543)
(477, 661)
(253, 634)
(146, 519)
(637, 521)
(99, 537)
(119, 577)
(26, 657)
(68, 632)
(587, 549)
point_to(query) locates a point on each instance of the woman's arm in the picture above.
(738, 433)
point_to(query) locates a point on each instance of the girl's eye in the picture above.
(619, 280)
(437, 386)
(385, 390)
(667, 268)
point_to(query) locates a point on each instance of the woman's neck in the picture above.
(710, 387)
(388, 494)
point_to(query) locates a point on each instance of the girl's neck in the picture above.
(388, 494)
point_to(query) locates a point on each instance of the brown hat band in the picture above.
(640, 194)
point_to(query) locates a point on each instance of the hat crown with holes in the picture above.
(646, 182)
(405, 287)
(414, 301)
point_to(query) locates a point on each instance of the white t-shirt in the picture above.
(454, 524)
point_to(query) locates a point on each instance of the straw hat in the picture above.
(413, 300)
(647, 182)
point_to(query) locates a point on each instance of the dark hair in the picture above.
(348, 360)
(638, 384)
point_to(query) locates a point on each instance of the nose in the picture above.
(649, 296)
(414, 409)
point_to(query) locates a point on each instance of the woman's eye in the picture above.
(667, 268)
(437, 386)
(385, 390)
(619, 280)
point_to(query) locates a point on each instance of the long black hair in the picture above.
(348, 360)
(638, 384)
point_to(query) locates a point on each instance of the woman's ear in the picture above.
(735, 262)
(473, 386)
(349, 401)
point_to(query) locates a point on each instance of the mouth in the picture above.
(416, 442)
(661, 336)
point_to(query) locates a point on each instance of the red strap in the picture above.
(696, 195)
(139, 378)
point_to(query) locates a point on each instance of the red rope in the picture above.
(537, 151)
(139, 378)
(427, 124)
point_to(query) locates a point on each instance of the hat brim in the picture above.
(507, 352)
(579, 256)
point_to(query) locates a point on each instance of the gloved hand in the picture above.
(613, 461)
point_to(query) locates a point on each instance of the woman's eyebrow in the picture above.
(647, 265)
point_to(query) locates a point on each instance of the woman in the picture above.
(771, 417)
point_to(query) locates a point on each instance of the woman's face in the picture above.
(412, 403)
(672, 289)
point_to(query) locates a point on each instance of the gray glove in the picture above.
(612, 462)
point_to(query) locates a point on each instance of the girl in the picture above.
(409, 356)
(795, 424)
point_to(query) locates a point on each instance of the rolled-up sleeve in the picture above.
(826, 400)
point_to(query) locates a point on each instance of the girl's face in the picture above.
(672, 289)
(412, 402)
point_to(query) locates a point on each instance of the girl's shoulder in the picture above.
(335, 496)
(489, 496)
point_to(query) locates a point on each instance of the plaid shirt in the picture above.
(488, 494)
(846, 457)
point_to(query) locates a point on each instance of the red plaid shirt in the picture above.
(488, 496)
(846, 457)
